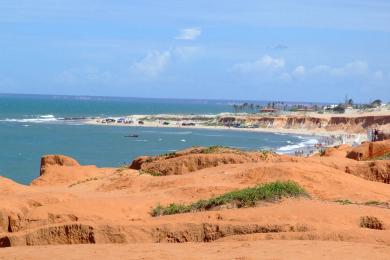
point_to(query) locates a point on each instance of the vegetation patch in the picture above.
(374, 203)
(83, 181)
(386, 156)
(169, 155)
(371, 222)
(122, 168)
(150, 172)
(215, 149)
(265, 153)
(344, 202)
(247, 197)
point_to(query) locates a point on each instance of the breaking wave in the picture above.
(292, 147)
(38, 119)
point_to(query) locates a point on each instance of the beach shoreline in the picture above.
(312, 143)
(177, 124)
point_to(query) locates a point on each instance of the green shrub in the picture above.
(241, 198)
(213, 149)
(344, 202)
(150, 172)
(168, 155)
(373, 203)
(122, 168)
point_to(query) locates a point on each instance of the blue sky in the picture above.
(265, 50)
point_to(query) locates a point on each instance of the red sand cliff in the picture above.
(352, 124)
(104, 212)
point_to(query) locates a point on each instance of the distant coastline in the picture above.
(352, 124)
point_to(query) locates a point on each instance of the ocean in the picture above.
(31, 126)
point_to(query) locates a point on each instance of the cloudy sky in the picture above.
(264, 50)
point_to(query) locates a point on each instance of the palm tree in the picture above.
(235, 107)
(252, 107)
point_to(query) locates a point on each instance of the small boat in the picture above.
(132, 135)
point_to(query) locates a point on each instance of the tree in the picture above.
(235, 107)
(376, 103)
(339, 109)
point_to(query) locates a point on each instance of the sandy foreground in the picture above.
(72, 211)
(271, 249)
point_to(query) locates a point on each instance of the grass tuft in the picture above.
(386, 156)
(374, 203)
(214, 149)
(344, 202)
(247, 197)
(168, 155)
(122, 168)
(150, 172)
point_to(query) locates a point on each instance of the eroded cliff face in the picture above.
(335, 123)
(75, 204)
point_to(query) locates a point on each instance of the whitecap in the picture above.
(38, 119)
(47, 116)
(292, 147)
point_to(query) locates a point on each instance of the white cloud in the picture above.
(189, 34)
(352, 68)
(153, 64)
(299, 71)
(379, 75)
(266, 63)
(269, 68)
(156, 62)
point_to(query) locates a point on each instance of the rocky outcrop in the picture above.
(194, 159)
(63, 170)
(372, 170)
(369, 150)
(56, 160)
(137, 163)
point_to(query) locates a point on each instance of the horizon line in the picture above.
(170, 98)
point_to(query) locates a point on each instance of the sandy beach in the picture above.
(338, 136)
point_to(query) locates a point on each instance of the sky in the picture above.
(257, 50)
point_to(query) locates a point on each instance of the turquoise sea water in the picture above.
(29, 128)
